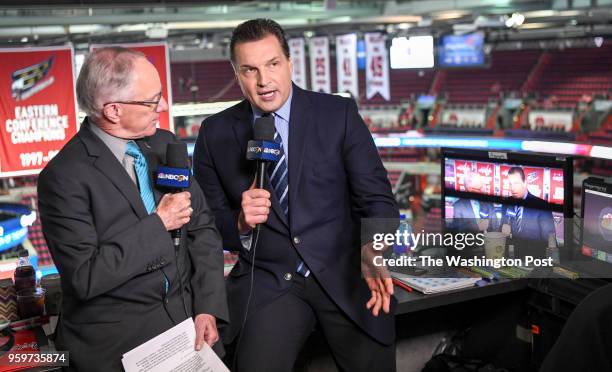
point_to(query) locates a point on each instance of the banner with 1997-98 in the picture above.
(37, 107)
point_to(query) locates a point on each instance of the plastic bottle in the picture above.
(25, 275)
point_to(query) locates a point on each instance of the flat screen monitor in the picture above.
(412, 52)
(595, 248)
(526, 196)
(462, 50)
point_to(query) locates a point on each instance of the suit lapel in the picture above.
(107, 163)
(243, 131)
(242, 127)
(300, 121)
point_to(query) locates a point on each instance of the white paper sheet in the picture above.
(173, 351)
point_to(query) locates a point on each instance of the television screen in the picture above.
(597, 225)
(526, 197)
(504, 179)
(462, 50)
(413, 52)
(595, 250)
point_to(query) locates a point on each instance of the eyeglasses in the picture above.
(152, 104)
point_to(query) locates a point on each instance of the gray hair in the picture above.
(105, 76)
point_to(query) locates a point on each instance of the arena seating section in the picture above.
(563, 76)
(571, 73)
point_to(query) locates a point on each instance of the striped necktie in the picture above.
(142, 174)
(279, 179)
(519, 218)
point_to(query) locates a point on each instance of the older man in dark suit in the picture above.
(306, 256)
(472, 214)
(107, 227)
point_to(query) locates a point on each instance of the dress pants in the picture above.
(274, 334)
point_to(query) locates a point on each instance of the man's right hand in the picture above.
(255, 209)
(175, 210)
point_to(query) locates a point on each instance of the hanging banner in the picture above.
(320, 76)
(37, 107)
(298, 59)
(157, 54)
(346, 64)
(377, 66)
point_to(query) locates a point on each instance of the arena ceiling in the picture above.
(50, 22)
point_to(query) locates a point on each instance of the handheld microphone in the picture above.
(175, 176)
(262, 148)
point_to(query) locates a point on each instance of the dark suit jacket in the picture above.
(464, 218)
(112, 255)
(335, 178)
(536, 224)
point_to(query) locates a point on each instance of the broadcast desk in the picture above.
(409, 302)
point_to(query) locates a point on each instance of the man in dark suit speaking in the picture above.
(523, 222)
(107, 227)
(306, 258)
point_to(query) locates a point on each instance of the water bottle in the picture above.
(25, 275)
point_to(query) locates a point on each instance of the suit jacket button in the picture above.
(287, 276)
(297, 240)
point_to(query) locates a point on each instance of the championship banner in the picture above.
(551, 119)
(464, 117)
(298, 59)
(37, 107)
(157, 54)
(320, 76)
(377, 66)
(346, 64)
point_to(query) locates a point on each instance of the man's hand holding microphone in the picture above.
(175, 210)
(255, 208)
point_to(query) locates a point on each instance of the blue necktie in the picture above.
(279, 179)
(142, 174)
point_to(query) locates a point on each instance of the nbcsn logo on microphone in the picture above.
(173, 177)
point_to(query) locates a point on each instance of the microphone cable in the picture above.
(251, 286)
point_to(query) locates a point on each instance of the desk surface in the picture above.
(408, 302)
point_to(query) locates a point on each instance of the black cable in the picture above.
(165, 297)
(251, 285)
(180, 276)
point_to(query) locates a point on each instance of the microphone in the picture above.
(262, 148)
(175, 176)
